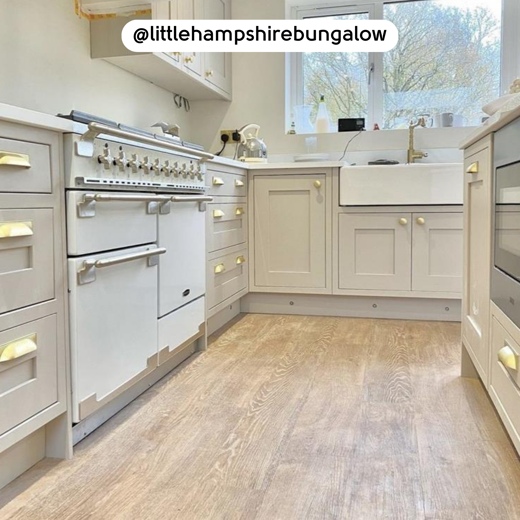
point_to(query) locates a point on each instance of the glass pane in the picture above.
(447, 61)
(341, 77)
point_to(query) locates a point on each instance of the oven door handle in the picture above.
(87, 207)
(201, 199)
(87, 273)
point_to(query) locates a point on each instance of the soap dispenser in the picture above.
(322, 118)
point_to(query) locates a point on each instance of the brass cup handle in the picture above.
(508, 357)
(16, 349)
(220, 268)
(239, 212)
(403, 221)
(14, 159)
(217, 181)
(209, 73)
(241, 260)
(218, 213)
(421, 221)
(16, 229)
(317, 184)
(472, 168)
(188, 59)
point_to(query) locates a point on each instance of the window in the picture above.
(448, 59)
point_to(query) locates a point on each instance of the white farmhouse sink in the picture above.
(401, 185)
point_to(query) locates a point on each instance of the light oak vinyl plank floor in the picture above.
(290, 417)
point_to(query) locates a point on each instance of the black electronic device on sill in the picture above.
(351, 124)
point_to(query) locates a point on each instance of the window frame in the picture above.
(510, 51)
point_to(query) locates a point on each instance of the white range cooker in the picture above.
(136, 255)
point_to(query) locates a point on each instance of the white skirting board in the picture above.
(353, 306)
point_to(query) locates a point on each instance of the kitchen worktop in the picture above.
(33, 118)
(494, 123)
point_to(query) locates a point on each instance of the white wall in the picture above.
(259, 96)
(46, 66)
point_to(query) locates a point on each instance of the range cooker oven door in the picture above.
(98, 221)
(182, 270)
(113, 315)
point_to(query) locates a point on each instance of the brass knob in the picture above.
(209, 73)
(317, 184)
(188, 59)
(403, 221)
(421, 221)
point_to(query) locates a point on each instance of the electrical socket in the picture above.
(230, 134)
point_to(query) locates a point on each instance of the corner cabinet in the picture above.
(477, 253)
(196, 76)
(291, 227)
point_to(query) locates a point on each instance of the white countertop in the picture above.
(493, 124)
(300, 165)
(14, 114)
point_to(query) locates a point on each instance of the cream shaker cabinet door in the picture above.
(290, 231)
(375, 251)
(217, 65)
(437, 252)
(477, 256)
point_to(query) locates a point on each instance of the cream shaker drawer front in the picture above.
(227, 184)
(227, 225)
(505, 373)
(24, 167)
(28, 371)
(131, 218)
(227, 276)
(26, 257)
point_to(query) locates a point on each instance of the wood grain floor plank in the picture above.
(292, 417)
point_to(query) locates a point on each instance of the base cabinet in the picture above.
(477, 254)
(374, 251)
(437, 252)
(290, 231)
(417, 252)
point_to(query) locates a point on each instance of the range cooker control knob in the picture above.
(120, 161)
(200, 176)
(146, 165)
(192, 171)
(175, 168)
(134, 163)
(184, 170)
(105, 158)
(166, 169)
(156, 167)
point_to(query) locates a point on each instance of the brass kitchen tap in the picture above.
(414, 154)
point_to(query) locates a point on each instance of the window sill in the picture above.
(450, 128)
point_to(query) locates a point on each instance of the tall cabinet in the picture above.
(477, 253)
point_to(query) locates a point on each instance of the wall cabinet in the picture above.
(290, 229)
(477, 253)
(217, 65)
(418, 252)
(196, 76)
